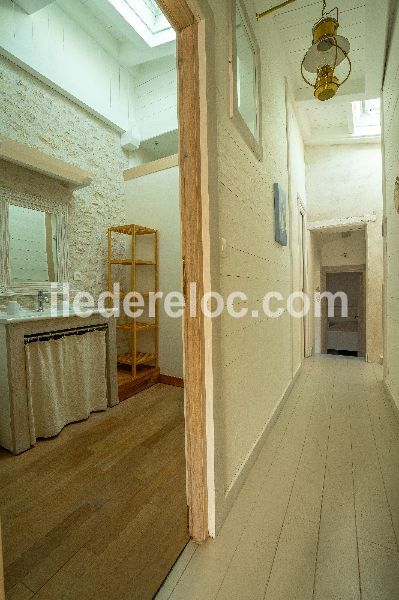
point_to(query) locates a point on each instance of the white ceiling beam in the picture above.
(353, 89)
(377, 26)
(32, 6)
(341, 224)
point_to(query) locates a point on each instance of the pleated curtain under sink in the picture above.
(66, 381)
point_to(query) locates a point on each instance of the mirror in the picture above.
(245, 93)
(32, 245)
(246, 74)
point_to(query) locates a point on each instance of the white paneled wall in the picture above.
(391, 158)
(153, 201)
(156, 97)
(256, 353)
(52, 45)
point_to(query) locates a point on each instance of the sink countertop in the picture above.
(29, 315)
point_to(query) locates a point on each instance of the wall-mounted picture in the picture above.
(280, 215)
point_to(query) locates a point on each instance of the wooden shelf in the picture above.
(40, 162)
(138, 326)
(123, 294)
(129, 230)
(141, 358)
(134, 359)
(130, 263)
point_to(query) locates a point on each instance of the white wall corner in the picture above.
(131, 140)
(32, 6)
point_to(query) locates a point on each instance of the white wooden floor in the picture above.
(319, 515)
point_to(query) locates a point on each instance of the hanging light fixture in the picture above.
(327, 52)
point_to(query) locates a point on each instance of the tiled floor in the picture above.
(319, 515)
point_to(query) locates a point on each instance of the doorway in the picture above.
(344, 333)
(101, 483)
(303, 270)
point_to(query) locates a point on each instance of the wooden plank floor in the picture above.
(100, 511)
(318, 518)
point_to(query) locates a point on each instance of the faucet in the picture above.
(41, 299)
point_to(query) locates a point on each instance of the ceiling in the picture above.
(366, 26)
(329, 122)
(96, 15)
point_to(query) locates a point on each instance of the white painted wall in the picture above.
(337, 250)
(156, 97)
(391, 160)
(346, 181)
(343, 180)
(153, 201)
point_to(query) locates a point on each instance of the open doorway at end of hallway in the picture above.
(344, 330)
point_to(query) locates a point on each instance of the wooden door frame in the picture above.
(192, 21)
(304, 260)
(363, 322)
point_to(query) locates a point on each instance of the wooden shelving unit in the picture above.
(142, 365)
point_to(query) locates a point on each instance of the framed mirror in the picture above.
(245, 78)
(33, 243)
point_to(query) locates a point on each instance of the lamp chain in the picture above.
(324, 8)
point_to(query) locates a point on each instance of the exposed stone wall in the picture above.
(34, 114)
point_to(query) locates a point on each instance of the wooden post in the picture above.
(133, 288)
(156, 333)
(191, 84)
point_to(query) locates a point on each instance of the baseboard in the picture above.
(395, 405)
(168, 380)
(250, 460)
(131, 388)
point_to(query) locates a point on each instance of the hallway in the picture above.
(318, 517)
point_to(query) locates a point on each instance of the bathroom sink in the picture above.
(30, 315)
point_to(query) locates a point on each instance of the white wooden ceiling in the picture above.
(365, 24)
(295, 26)
(97, 16)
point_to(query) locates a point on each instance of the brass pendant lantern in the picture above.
(327, 52)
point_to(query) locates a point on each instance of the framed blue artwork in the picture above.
(280, 215)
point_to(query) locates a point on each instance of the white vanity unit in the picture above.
(16, 332)
(55, 368)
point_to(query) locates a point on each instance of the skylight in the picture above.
(147, 19)
(152, 6)
(367, 117)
